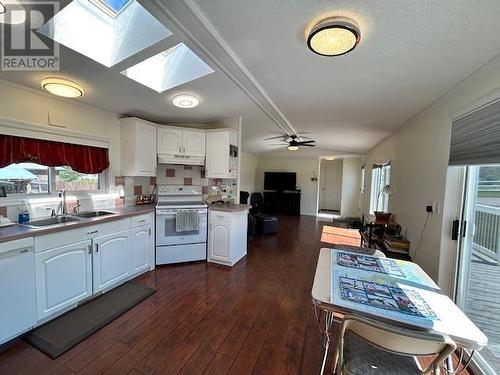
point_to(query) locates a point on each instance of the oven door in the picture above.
(165, 229)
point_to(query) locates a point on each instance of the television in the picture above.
(280, 181)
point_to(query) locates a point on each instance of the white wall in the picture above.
(419, 153)
(305, 167)
(28, 105)
(248, 172)
(351, 187)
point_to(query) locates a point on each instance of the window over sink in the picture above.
(32, 178)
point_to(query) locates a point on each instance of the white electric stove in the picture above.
(177, 247)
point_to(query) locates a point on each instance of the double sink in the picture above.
(63, 219)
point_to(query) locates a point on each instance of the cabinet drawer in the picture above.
(140, 220)
(220, 216)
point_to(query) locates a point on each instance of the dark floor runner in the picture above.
(61, 334)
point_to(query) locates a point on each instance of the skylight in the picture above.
(107, 37)
(169, 68)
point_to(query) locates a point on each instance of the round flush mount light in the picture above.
(12, 12)
(62, 87)
(185, 101)
(334, 36)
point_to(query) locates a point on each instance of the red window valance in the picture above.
(83, 159)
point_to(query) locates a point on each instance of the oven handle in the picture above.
(173, 212)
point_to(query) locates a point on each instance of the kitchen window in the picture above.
(381, 177)
(32, 178)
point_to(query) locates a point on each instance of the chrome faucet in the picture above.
(62, 194)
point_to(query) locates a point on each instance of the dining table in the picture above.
(393, 291)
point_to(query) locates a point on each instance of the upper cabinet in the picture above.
(169, 140)
(222, 153)
(138, 147)
(181, 146)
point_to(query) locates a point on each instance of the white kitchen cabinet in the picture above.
(63, 277)
(193, 142)
(110, 260)
(169, 140)
(180, 142)
(227, 236)
(140, 254)
(138, 147)
(222, 153)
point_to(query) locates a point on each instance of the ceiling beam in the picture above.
(186, 16)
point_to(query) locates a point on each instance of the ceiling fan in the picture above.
(293, 141)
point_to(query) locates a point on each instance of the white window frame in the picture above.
(381, 176)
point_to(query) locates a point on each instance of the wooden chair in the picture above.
(369, 347)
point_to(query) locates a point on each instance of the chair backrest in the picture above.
(244, 197)
(256, 202)
(397, 340)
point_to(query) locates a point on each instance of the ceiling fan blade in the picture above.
(306, 142)
(307, 145)
(279, 144)
(277, 137)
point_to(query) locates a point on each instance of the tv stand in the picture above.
(282, 202)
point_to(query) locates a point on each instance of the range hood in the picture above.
(180, 159)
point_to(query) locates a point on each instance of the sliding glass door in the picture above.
(478, 287)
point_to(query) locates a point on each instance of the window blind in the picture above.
(475, 137)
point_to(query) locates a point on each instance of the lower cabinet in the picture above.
(110, 260)
(63, 277)
(140, 250)
(227, 236)
(220, 236)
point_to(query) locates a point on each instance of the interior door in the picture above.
(477, 292)
(110, 257)
(331, 186)
(169, 141)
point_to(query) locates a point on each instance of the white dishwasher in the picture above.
(17, 288)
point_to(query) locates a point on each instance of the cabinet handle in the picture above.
(142, 221)
(96, 247)
(184, 149)
(90, 248)
(93, 232)
(149, 231)
(180, 149)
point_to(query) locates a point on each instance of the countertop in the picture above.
(229, 207)
(17, 231)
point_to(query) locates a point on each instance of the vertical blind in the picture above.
(475, 137)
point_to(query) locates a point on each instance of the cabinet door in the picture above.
(63, 277)
(145, 150)
(110, 260)
(140, 250)
(193, 143)
(219, 241)
(218, 155)
(169, 141)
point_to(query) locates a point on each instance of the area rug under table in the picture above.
(61, 334)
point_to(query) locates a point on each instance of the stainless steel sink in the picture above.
(91, 214)
(56, 220)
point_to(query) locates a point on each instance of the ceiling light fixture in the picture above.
(62, 87)
(334, 36)
(185, 101)
(293, 148)
(12, 12)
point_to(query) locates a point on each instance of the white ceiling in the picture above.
(411, 52)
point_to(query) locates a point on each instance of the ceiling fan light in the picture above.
(293, 148)
(334, 37)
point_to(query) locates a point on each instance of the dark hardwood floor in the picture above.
(256, 318)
